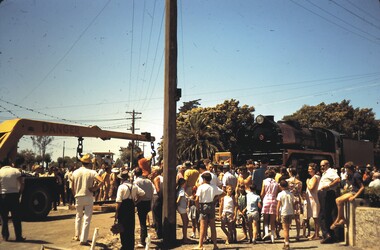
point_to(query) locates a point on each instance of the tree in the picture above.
(342, 117)
(125, 154)
(29, 157)
(223, 123)
(196, 139)
(187, 106)
(41, 143)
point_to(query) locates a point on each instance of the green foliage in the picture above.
(125, 153)
(342, 117)
(203, 131)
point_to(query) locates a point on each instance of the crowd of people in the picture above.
(260, 199)
(265, 200)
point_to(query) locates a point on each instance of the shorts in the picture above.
(206, 211)
(287, 219)
(227, 217)
(254, 216)
(181, 210)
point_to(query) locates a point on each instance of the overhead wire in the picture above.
(342, 20)
(364, 11)
(154, 62)
(131, 57)
(149, 43)
(67, 52)
(334, 23)
(141, 85)
(355, 15)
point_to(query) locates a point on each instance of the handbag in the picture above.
(117, 228)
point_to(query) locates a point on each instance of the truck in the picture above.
(37, 197)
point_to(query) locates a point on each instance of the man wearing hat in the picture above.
(83, 187)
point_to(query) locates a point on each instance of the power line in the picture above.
(131, 58)
(334, 23)
(67, 52)
(356, 15)
(367, 13)
(344, 21)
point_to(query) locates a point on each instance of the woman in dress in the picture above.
(312, 198)
(269, 192)
(295, 187)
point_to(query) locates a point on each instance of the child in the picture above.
(252, 211)
(229, 211)
(193, 212)
(306, 218)
(205, 199)
(285, 210)
(242, 205)
(181, 207)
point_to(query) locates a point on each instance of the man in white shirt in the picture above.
(326, 195)
(11, 186)
(228, 178)
(83, 187)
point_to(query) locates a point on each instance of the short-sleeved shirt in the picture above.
(9, 180)
(229, 179)
(83, 179)
(354, 182)
(258, 176)
(286, 198)
(128, 191)
(191, 177)
(207, 192)
(214, 179)
(327, 177)
(253, 201)
(183, 201)
(146, 185)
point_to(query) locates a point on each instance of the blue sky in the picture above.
(89, 61)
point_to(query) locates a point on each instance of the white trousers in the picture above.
(84, 207)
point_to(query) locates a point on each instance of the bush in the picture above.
(373, 196)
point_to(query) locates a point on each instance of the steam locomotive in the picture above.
(287, 143)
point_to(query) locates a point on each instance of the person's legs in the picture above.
(255, 229)
(185, 223)
(223, 226)
(298, 226)
(78, 218)
(266, 225)
(202, 231)
(250, 230)
(213, 232)
(16, 214)
(244, 226)
(272, 219)
(322, 213)
(4, 210)
(86, 222)
(285, 227)
(143, 208)
(340, 205)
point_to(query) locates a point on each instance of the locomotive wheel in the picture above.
(36, 203)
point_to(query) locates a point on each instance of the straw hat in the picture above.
(86, 158)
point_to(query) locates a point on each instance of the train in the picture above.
(286, 143)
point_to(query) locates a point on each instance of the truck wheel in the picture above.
(36, 203)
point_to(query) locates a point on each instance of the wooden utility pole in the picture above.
(133, 131)
(170, 140)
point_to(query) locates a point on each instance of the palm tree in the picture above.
(196, 138)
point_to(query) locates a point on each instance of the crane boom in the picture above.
(12, 130)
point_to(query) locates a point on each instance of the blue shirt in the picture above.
(252, 202)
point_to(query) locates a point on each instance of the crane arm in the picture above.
(12, 130)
